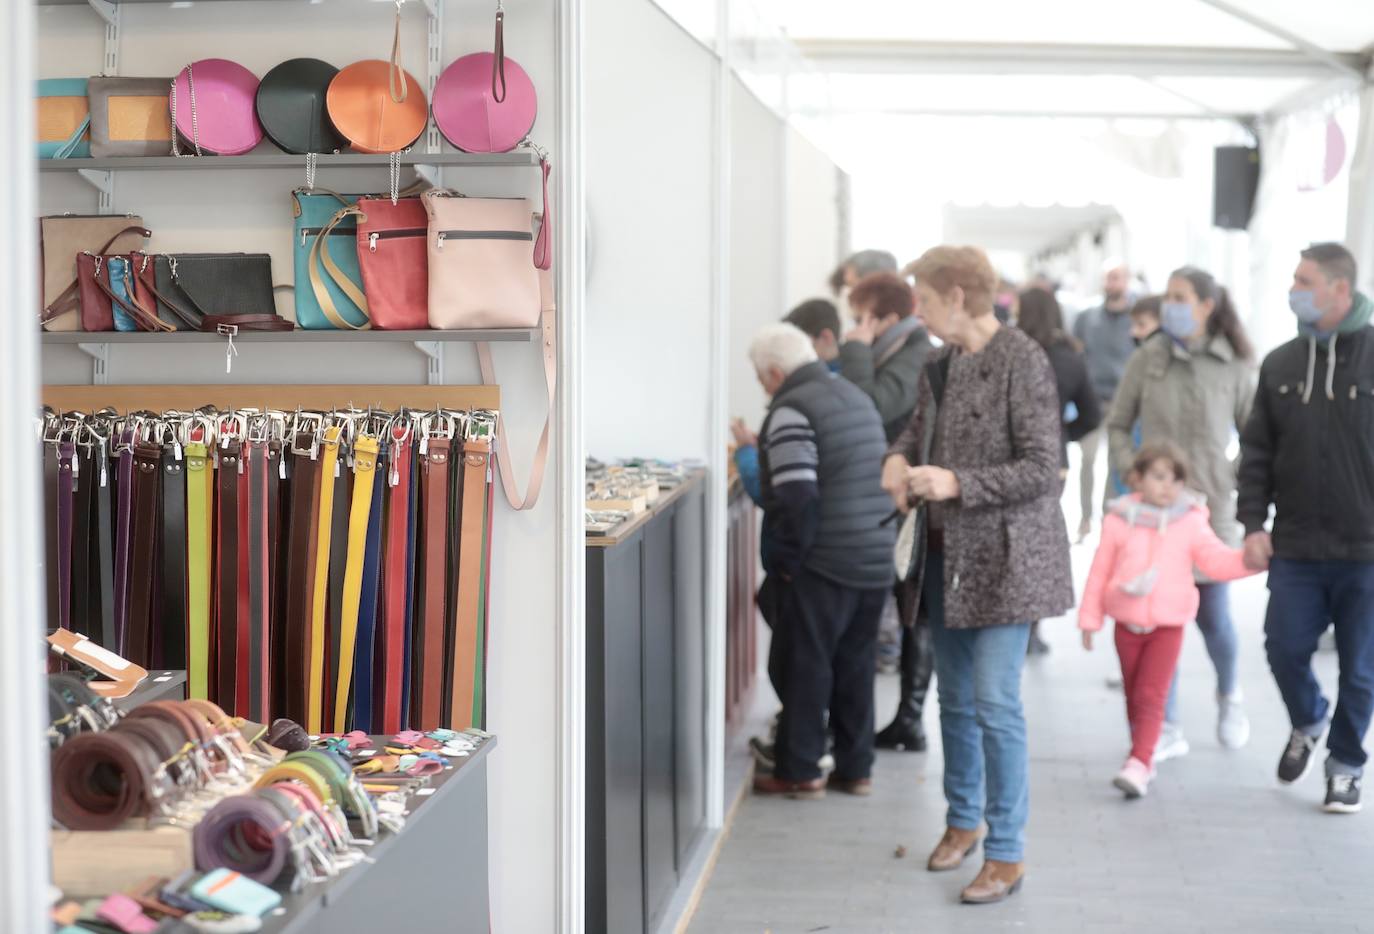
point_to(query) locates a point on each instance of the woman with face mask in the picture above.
(1193, 383)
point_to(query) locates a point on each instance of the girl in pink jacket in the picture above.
(1142, 577)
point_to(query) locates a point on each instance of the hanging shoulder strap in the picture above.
(319, 253)
(549, 351)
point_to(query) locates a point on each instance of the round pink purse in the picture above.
(467, 111)
(213, 104)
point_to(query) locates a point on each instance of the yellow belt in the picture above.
(315, 638)
(199, 481)
(364, 471)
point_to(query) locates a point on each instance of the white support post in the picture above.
(434, 361)
(100, 361)
(434, 65)
(103, 182)
(24, 809)
(717, 494)
(570, 265)
(110, 13)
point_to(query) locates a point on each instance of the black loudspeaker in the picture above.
(1235, 181)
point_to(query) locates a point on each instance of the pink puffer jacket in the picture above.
(1143, 571)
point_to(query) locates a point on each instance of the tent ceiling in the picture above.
(1023, 229)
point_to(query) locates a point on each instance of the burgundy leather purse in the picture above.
(394, 261)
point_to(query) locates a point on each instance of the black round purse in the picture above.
(291, 106)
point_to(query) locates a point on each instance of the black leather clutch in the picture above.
(202, 291)
(291, 106)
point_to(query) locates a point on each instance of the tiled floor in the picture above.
(1217, 846)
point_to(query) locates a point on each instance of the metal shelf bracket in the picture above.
(103, 182)
(434, 361)
(434, 64)
(109, 12)
(100, 361)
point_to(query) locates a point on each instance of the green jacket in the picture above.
(891, 380)
(1196, 400)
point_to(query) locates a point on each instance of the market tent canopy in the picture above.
(1023, 228)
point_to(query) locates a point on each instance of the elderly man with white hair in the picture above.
(829, 565)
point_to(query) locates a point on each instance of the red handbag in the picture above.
(394, 260)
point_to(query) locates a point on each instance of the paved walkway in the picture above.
(1217, 846)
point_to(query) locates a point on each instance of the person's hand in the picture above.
(894, 482)
(744, 435)
(865, 331)
(1088, 640)
(1259, 549)
(935, 484)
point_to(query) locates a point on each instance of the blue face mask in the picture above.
(1176, 320)
(1303, 302)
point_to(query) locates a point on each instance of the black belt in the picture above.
(169, 636)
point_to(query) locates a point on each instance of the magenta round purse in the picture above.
(466, 109)
(214, 108)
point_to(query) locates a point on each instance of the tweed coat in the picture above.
(997, 427)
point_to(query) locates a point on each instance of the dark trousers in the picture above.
(823, 655)
(1304, 598)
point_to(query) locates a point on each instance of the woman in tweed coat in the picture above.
(982, 452)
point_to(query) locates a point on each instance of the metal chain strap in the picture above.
(195, 121)
(394, 163)
(311, 164)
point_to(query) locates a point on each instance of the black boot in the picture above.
(906, 731)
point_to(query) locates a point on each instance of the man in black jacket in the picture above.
(1308, 449)
(829, 564)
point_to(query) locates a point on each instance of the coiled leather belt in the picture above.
(245, 833)
(100, 780)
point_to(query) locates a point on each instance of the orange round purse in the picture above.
(377, 107)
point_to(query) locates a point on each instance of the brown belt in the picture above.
(258, 608)
(100, 780)
(387, 699)
(51, 537)
(476, 464)
(302, 539)
(143, 554)
(428, 694)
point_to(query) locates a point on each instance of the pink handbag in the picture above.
(214, 107)
(481, 265)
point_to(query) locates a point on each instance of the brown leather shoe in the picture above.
(995, 882)
(861, 787)
(768, 784)
(954, 847)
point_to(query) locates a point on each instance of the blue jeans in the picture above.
(1219, 633)
(1305, 597)
(978, 677)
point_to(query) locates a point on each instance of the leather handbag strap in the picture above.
(543, 241)
(259, 583)
(498, 62)
(541, 452)
(142, 560)
(67, 467)
(68, 147)
(302, 545)
(396, 75)
(364, 474)
(429, 692)
(317, 633)
(199, 500)
(396, 586)
(476, 464)
(124, 524)
(226, 641)
(319, 253)
(169, 635)
(69, 299)
(364, 670)
(102, 547)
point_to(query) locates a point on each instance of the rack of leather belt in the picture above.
(313, 552)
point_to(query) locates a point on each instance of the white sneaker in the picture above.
(1233, 726)
(1172, 743)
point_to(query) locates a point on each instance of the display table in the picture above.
(646, 709)
(432, 876)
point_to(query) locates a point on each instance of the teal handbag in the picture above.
(329, 292)
(64, 119)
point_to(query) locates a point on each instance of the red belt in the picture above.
(395, 584)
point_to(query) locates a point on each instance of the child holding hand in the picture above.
(1142, 577)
